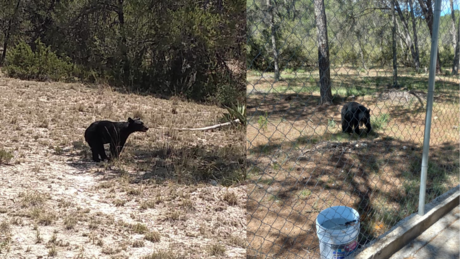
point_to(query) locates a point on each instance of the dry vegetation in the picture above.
(170, 195)
(301, 162)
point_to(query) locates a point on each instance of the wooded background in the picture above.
(189, 48)
(295, 34)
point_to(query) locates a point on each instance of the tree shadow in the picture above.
(379, 177)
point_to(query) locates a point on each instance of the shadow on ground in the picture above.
(379, 177)
(188, 165)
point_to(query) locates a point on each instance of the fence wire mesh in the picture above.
(376, 53)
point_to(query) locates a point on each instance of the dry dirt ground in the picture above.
(171, 194)
(301, 163)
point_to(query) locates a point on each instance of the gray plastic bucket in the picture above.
(337, 229)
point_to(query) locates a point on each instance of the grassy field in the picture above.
(301, 162)
(172, 194)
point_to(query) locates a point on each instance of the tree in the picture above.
(271, 23)
(453, 31)
(393, 35)
(8, 31)
(170, 47)
(323, 53)
(455, 41)
(414, 28)
(408, 38)
(427, 10)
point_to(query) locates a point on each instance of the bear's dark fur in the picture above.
(114, 133)
(354, 115)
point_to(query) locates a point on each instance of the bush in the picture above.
(446, 54)
(228, 95)
(41, 64)
(5, 156)
(380, 122)
(292, 56)
(238, 111)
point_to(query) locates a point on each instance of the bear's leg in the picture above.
(95, 153)
(357, 129)
(369, 127)
(346, 126)
(101, 151)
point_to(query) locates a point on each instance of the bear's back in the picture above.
(104, 130)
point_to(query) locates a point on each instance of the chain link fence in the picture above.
(376, 53)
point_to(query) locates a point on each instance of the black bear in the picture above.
(354, 115)
(114, 133)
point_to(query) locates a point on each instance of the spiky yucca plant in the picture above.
(238, 111)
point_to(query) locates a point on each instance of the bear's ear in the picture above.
(130, 120)
(369, 110)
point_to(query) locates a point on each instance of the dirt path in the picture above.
(102, 228)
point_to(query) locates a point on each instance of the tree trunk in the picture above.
(402, 42)
(8, 32)
(453, 31)
(409, 41)
(414, 28)
(393, 33)
(457, 52)
(427, 9)
(271, 11)
(361, 49)
(323, 53)
(123, 45)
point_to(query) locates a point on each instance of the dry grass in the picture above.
(153, 236)
(103, 210)
(163, 254)
(231, 198)
(303, 163)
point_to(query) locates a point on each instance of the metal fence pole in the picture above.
(429, 106)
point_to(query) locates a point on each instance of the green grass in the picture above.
(267, 181)
(305, 193)
(331, 123)
(274, 198)
(380, 122)
(263, 122)
(5, 156)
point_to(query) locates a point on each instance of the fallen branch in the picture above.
(420, 100)
(209, 127)
(330, 145)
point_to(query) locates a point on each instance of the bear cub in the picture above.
(114, 133)
(354, 115)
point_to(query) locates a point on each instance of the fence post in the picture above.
(429, 107)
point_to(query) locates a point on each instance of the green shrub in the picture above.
(41, 64)
(228, 94)
(5, 156)
(263, 122)
(380, 122)
(331, 123)
(237, 111)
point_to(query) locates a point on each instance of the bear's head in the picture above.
(136, 125)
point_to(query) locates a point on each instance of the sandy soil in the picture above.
(164, 198)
